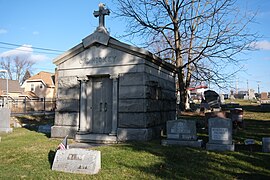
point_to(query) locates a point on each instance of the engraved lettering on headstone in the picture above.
(220, 134)
(180, 127)
(75, 157)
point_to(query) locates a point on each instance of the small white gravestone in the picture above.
(77, 161)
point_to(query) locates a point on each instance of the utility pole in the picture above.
(247, 89)
(258, 82)
(236, 84)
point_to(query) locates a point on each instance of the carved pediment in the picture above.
(96, 37)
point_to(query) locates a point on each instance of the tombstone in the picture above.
(5, 120)
(77, 161)
(182, 132)
(109, 91)
(220, 134)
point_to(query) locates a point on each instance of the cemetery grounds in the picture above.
(27, 154)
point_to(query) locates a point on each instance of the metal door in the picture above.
(102, 105)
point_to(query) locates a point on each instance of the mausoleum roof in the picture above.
(106, 40)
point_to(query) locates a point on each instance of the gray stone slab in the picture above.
(197, 143)
(131, 92)
(84, 145)
(220, 147)
(67, 105)
(68, 93)
(132, 79)
(66, 118)
(62, 131)
(5, 120)
(97, 138)
(132, 105)
(77, 161)
(133, 134)
(220, 130)
(181, 129)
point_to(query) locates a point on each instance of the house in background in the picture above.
(14, 90)
(41, 85)
(39, 92)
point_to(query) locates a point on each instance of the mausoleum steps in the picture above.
(96, 138)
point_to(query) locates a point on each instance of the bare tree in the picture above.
(16, 67)
(202, 36)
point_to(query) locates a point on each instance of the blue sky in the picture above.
(62, 24)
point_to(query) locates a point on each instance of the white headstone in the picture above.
(77, 161)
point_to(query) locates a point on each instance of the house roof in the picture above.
(13, 85)
(46, 77)
(29, 95)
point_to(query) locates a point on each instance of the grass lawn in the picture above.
(26, 154)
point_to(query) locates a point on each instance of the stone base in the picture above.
(220, 147)
(137, 134)
(95, 138)
(6, 130)
(62, 131)
(197, 143)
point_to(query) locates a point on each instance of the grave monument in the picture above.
(182, 132)
(109, 91)
(220, 134)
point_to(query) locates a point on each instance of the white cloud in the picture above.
(25, 51)
(3, 31)
(261, 45)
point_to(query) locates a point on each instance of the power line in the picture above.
(39, 48)
(24, 50)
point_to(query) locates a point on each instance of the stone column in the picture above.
(114, 77)
(83, 101)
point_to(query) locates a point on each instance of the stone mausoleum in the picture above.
(109, 91)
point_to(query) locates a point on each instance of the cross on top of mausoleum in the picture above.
(101, 14)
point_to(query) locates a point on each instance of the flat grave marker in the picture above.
(77, 161)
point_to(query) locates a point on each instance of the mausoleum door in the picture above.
(102, 105)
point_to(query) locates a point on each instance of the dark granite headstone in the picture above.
(182, 132)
